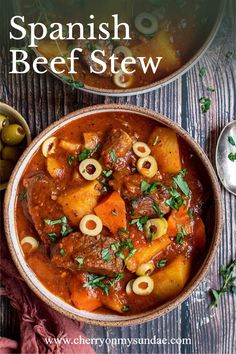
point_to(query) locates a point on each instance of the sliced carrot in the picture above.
(112, 212)
(177, 219)
(199, 234)
(85, 300)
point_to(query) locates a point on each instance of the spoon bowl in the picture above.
(226, 168)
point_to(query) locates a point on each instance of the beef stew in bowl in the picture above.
(176, 31)
(111, 212)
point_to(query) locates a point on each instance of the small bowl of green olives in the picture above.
(15, 136)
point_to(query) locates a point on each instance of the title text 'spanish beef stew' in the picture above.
(110, 213)
(172, 29)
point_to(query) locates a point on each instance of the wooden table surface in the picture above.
(44, 99)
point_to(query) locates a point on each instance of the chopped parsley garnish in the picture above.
(181, 183)
(84, 154)
(181, 234)
(191, 213)
(75, 84)
(23, 195)
(156, 140)
(205, 104)
(176, 200)
(202, 72)
(115, 246)
(62, 252)
(231, 140)
(140, 222)
(229, 55)
(210, 89)
(52, 237)
(229, 284)
(125, 308)
(107, 173)
(125, 245)
(161, 263)
(70, 160)
(157, 209)
(102, 282)
(114, 212)
(113, 156)
(65, 228)
(122, 231)
(106, 256)
(80, 260)
(148, 188)
(232, 156)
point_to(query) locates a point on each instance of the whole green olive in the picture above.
(11, 153)
(6, 168)
(13, 134)
(4, 122)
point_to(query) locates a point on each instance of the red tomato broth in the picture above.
(59, 280)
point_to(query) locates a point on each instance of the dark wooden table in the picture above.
(44, 99)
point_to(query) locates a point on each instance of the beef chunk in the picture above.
(117, 150)
(130, 189)
(86, 253)
(143, 206)
(40, 192)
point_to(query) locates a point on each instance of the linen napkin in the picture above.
(37, 321)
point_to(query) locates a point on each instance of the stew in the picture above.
(173, 30)
(111, 211)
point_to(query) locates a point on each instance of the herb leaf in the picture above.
(84, 154)
(202, 72)
(70, 160)
(65, 228)
(107, 173)
(232, 156)
(79, 260)
(148, 188)
(113, 156)
(106, 255)
(181, 234)
(157, 209)
(231, 140)
(181, 183)
(23, 195)
(205, 104)
(139, 222)
(52, 237)
(161, 263)
(229, 284)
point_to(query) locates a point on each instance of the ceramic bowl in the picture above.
(57, 303)
(14, 117)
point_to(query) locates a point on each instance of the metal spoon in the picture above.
(226, 168)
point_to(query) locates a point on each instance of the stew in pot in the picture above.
(171, 29)
(111, 211)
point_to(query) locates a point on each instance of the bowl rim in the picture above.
(159, 83)
(203, 269)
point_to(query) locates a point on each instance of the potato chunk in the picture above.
(146, 253)
(55, 168)
(170, 281)
(165, 148)
(159, 46)
(80, 201)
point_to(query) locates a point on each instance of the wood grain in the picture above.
(43, 99)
